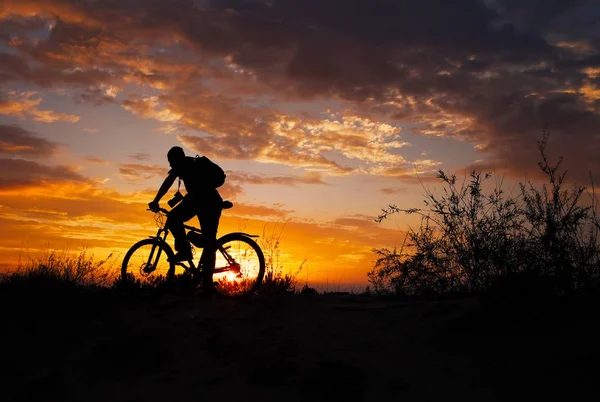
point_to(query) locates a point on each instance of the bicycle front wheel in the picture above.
(239, 266)
(146, 263)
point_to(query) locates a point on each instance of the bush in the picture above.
(468, 240)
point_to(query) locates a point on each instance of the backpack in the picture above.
(212, 174)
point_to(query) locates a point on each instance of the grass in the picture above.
(62, 267)
(276, 281)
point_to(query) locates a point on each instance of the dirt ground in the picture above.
(295, 348)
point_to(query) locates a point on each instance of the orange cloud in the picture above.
(444, 83)
(134, 172)
(139, 156)
(405, 174)
(55, 207)
(73, 216)
(152, 108)
(46, 8)
(15, 140)
(262, 179)
(20, 174)
(26, 104)
(96, 161)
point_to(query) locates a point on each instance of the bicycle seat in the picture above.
(227, 204)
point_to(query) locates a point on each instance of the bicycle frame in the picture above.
(161, 236)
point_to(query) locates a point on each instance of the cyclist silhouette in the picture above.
(202, 200)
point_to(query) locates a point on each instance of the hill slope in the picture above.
(296, 348)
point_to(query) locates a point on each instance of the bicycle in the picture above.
(239, 263)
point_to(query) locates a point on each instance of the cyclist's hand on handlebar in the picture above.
(153, 206)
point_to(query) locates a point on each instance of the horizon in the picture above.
(319, 118)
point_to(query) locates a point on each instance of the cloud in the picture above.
(409, 174)
(20, 173)
(139, 156)
(249, 210)
(487, 72)
(16, 26)
(394, 190)
(230, 190)
(256, 146)
(359, 222)
(96, 161)
(151, 108)
(262, 179)
(15, 140)
(134, 172)
(25, 104)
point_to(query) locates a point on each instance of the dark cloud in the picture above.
(13, 68)
(356, 222)
(572, 19)
(15, 140)
(491, 72)
(93, 96)
(407, 175)
(19, 26)
(20, 173)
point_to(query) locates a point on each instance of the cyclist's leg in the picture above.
(209, 223)
(183, 212)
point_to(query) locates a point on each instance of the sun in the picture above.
(230, 277)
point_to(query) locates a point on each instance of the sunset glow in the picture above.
(320, 113)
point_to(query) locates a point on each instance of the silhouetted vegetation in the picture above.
(542, 241)
(307, 290)
(61, 269)
(60, 282)
(276, 281)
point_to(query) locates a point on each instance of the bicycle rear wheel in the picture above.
(239, 266)
(146, 263)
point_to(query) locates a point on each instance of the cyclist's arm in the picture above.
(165, 187)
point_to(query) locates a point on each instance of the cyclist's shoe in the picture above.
(182, 256)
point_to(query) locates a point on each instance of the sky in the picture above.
(320, 112)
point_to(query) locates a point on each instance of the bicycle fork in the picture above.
(152, 263)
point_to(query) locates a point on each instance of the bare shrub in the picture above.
(469, 239)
